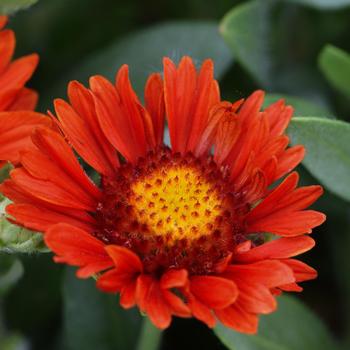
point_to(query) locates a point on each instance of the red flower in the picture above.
(16, 127)
(176, 231)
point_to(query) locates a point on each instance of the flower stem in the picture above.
(150, 336)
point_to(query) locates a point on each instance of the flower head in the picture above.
(181, 230)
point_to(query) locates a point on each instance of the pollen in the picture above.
(173, 211)
(176, 202)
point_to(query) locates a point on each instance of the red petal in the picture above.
(7, 47)
(203, 288)
(201, 312)
(55, 147)
(16, 129)
(35, 161)
(143, 285)
(114, 281)
(277, 249)
(289, 160)
(179, 89)
(18, 73)
(128, 295)
(84, 139)
(237, 318)
(124, 259)
(76, 247)
(203, 104)
(292, 224)
(156, 307)
(251, 106)
(26, 100)
(47, 191)
(279, 116)
(269, 204)
(176, 304)
(155, 105)
(115, 120)
(140, 122)
(40, 219)
(301, 271)
(174, 278)
(256, 298)
(270, 273)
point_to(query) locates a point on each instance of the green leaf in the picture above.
(335, 65)
(292, 327)
(10, 6)
(94, 320)
(260, 38)
(16, 239)
(11, 270)
(301, 106)
(143, 52)
(246, 29)
(327, 151)
(323, 4)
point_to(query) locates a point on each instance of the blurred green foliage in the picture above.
(280, 46)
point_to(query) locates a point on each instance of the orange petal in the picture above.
(201, 312)
(301, 271)
(83, 138)
(277, 249)
(225, 294)
(174, 278)
(7, 47)
(237, 318)
(124, 259)
(76, 247)
(15, 130)
(290, 224)
(270, 273)
(26, 100)
(39, 218)
(155, 105)
(56, 148)
(176, 304)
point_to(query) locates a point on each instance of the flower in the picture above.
(181, 231)
(16, 126)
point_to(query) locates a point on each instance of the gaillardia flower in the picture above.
(15, 125)
(181, 230)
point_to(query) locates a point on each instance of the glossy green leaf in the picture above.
(323, 4)
(143, 52)
(292, 327)
(94, 320)
(16, 239)
(11, 6)
(335, 65)
(301, 106)
(327, 151)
